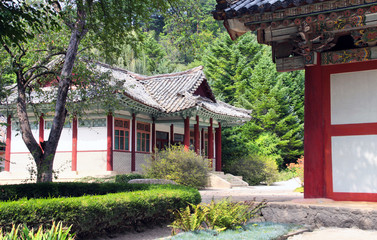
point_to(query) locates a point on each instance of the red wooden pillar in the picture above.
(153, 135)
(133, 143)
(8, 144)
(203, 142)
(74, 145)
(218, 148)
(41, 129)
(314, 133)
(197, 136)
(210, 139)
(109, 143)
(172, 134)
(186, 141)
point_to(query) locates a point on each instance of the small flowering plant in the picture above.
(298, 169)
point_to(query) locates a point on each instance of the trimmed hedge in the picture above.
(96, 215)
(64, 189)
(124, 178)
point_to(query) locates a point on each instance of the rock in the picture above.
(152, 181)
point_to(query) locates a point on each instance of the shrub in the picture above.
(298, 169)
(63, 189)
(180, 165)
(95, 215)
(57, 232)
(124, 178)
(254, 169)
(216, 216)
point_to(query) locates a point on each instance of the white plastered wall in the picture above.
(354, 158)
(353, 97)
(21, 160)
(354, 164)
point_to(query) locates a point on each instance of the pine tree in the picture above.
(243, 74)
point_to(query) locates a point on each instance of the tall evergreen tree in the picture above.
(243, 74)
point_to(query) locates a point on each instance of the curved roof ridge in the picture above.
(190, 71)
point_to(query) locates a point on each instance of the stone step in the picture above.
(234, 181)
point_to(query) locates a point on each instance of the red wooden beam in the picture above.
(218, 148)
(133, 143)
(197, 136)
(203, 142)
(210, 139)
(314, 134)
(41, 129)
(172, 134)
(8, 144)
(74, 145)
(153, 135)
(109, 142)
(186, 141)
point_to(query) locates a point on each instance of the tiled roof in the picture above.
(173, 92)
(227, 9)
(166, 93)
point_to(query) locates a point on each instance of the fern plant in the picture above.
(189, 219)
(228, 215)
(216, 216)
(56, 232)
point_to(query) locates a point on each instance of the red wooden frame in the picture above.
(318, 132)
(210, 139)
(109, 143)
(145, 131)
(8, 144)
(186, 141)
(125, 127)
(74, 144)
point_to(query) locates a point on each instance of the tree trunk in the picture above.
(44, 154)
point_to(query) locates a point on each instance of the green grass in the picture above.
(251, 231)
(299, 189)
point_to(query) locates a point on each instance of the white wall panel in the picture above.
(94, 138)
(353, 97)
(92, 162)
(17, 144)
(65, 142)
(354, 164)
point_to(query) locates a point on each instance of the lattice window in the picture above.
(143, 137)
(122, 134)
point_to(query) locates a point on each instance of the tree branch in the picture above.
(39, 75)
(8, 50)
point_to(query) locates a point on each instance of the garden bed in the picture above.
(101, 214)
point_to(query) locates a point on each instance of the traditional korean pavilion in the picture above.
(156, 111)
(335, 42)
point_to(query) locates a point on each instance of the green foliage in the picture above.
(189, 28)
(228, 215)
(255, 231)
(180, 165)
(57, 232)
(189, 219)
(254, 169)
(19, 18)
(94, 215)
(242, 73)
(63, 189)
(219, 216)
(124, 178)
(298, 169)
